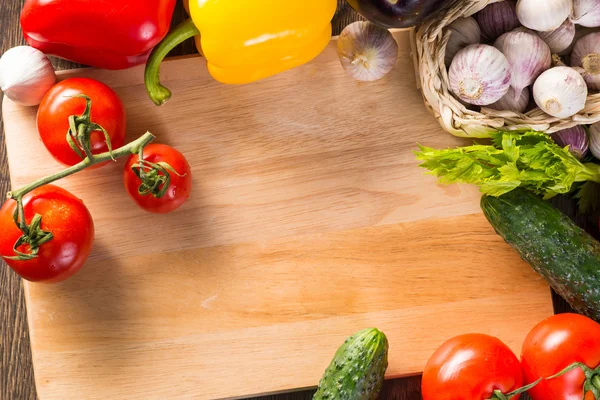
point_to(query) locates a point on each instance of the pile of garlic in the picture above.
(513, 52)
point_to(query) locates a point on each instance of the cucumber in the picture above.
(357, 369)
(563, 253)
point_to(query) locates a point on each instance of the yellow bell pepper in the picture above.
(245, 41)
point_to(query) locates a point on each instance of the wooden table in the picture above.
(16, 369)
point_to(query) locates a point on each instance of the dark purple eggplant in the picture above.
(398, 13)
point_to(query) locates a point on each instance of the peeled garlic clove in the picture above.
(464, 31)
(528, 56)
(560, 92)
(559, 40)
(26, 75)
(576, 138)
(543, 15)
(498, 18)
(509, 102)
(586, 55)
(595, 139)
(586, 13)
(367, 51)
(479, 75)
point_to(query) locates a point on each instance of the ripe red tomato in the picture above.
(70, 223)
(554, 344)
(179, 189)
(56, 108)
(471, 367)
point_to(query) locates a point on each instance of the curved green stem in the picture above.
(33, 234)
(592, 378)
(157, 92)
(498, 395)
(131, 148)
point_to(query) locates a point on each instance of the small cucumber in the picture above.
(357, 369)
(563, 253)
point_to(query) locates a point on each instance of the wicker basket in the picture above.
(429, 45)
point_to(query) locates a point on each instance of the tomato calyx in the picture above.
(155, 177)
(498, 395)
(81, 128)
(592, 378)
(33, 234)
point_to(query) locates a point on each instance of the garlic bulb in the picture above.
(26, 75)
(367, 51)
(595, 139)
(586, 55)
(499, 43)
(576, 138)
(586, 13)
(560, 92)
(528, 56)
(479, 75)
(543, 15)
(509, 102)
(498, 18)
(464, 31)
(559, 39)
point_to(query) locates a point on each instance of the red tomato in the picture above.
(179, 189)
(70, 223)
(471, 367)
(56, 108)
(554, 344)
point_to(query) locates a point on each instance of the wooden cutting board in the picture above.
(309, 220)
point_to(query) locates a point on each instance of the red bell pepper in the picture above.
(110, 34)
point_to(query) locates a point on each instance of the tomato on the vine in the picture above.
(554, 344)
(471, 367)
(65, 217)
(167, 179)
(59, 104)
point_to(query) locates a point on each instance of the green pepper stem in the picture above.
(157, 92)
(596, 381)
(131, 148)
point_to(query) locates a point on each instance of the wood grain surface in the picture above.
(15, 369)
(309, 220)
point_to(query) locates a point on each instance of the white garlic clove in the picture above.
(560, 92)
(479, 75)
(509, 102)
(543, 15)
(586, 13)
(559, 40)
(528, 56)
(26, 75)
(586, 55)
(367, 51)
(464, 31)
(595, 139)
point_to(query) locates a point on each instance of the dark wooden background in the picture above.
(16, 372)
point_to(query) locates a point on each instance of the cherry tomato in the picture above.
(63, 215)
(180, 186)
(471, 367)
(58, 105)
(554, 344)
